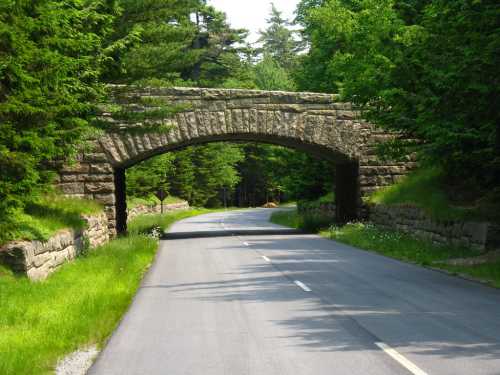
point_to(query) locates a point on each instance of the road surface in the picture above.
(297, 304)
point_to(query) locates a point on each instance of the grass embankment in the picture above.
(43, 218)
(147, 223)
(427, 189)
(78, 305)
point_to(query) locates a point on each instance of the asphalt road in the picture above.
(297, 304)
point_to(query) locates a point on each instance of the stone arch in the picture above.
(317, 123)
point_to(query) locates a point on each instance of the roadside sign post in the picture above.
(161, 194)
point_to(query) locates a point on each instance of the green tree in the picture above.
(279, 41)
(428, 69)
(269, 75)
(51, 58)
(173, 42)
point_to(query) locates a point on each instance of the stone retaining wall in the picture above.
(327, 209)
(146, 209)
(413, 220)
(38, 259)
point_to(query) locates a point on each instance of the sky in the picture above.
(252, 14)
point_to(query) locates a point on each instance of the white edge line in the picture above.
(266, 258)
(302, 286)
(400, 359)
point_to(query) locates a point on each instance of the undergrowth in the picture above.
(425, 188)
(45, 216)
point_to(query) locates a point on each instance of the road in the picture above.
(297, 304)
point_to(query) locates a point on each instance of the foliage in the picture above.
(273, 173)
(427, 69)
(175, 42)
(328, 199)
(269, 75)
(310, 221)
(83, 302)
(287, 218)
(395, 244)
(144, 224)
(150, 200)
(148, 177)
(51, 55)
(46, 215)
(279, 41)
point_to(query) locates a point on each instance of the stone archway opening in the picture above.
(346, 188)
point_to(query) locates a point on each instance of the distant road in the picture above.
(297, 305)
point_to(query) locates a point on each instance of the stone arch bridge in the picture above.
(316, 123)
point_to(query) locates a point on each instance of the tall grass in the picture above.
(78, 305)
(424, 188)
(146, 223)
(150, 201)
(309, 222)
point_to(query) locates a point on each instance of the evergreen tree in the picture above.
(51, 57)
(279, 41)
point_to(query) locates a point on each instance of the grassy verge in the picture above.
(44, 217)
(400, 246)
(78, 305)
(426, 188)
(147, 223)
(150, 201)
(306, 222)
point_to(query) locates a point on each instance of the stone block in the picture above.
(99, 187)
(106, 199)
(101, 168)
(72, 188)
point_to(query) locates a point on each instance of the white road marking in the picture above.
(302, 286)
(246, 244)
(266, 259)
(400, 359)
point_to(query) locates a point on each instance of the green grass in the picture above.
(395, 244)
(150, 201)
(423, 188)
(77, 306)
(43, 218)
(288, 218)
(488, 272)
(146, 223)
(312, 222)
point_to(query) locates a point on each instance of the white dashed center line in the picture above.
(400, 359)
(266, 259)
(302, 286)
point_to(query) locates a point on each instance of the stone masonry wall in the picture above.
(145, 209)
(415, 221)
(39, 259)
(326, 209)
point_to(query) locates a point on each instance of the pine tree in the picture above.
(280, 41)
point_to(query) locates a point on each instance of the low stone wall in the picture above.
(415, 221)
(327, 209)
(145, 209)
(38, 259)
